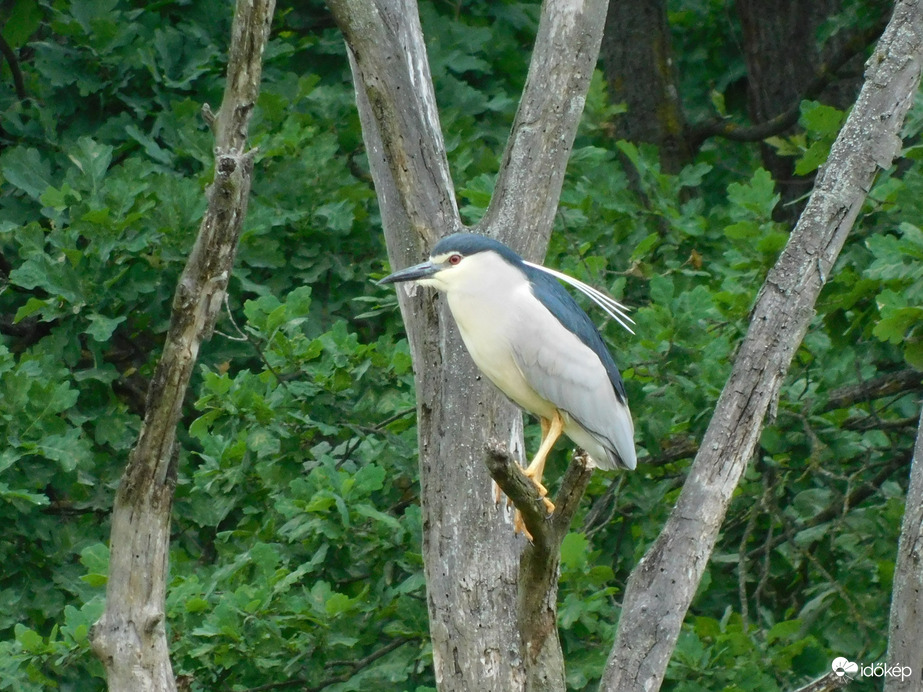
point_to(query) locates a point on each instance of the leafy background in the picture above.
(296, 556)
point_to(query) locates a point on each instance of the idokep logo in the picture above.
(843, 666)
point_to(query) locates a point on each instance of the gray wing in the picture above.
(569, 374)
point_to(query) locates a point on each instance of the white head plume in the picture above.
(612, 307)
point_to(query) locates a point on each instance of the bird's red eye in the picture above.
(455, 259)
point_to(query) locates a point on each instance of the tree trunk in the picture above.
(539, 569)
(470, 552)
(130, 637)
(782, 58)
(471, 555)
(662, 585)
(905, 638)
(637, 57)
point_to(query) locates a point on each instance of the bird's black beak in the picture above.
(417, 271)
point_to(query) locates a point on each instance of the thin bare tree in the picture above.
(905, 633)
(130, 637)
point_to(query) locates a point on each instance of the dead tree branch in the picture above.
(130, 637)
(905, 635)
(826, 74)
(13, 63)
(884, 385)
(662, 585)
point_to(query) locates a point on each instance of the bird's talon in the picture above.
(519, 526)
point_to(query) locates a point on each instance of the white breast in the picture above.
(487, 312)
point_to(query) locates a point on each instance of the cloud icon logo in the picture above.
(841, 666)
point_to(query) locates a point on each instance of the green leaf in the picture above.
(60, 199)
(374, 514)
(21, 21)
(78, 621)
(813, 158)
(321, 503)
(645, 246)
(92, 158)
(337, 217)
(742, 230)
(101, 327)
(337, 604)
(257, 310)
(217, 383)
(151, 147)
(27, 170)
(95, 580)
(265, 557)
(261, 441)
(56, 277)
(298, 302)
(811, 502)
(95, 558)
(913, 353)
(87, 12)
(30, 640)
(574, 549)
(821, 119)
(30, 307)
(21, 498)
(897, 317)
(196, 604)
(369, 478)
(897, 258)
(783, 630)
(201, 426)
(717, 102)
(70, 448)
(757, 196)
(662, 290)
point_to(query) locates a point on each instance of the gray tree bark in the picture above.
(130, 637)
(905, 636)
(663, 583)
(471, 555)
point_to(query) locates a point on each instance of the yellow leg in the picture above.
(536, 469)
(551, 431)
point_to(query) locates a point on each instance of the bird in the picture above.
(530, 338)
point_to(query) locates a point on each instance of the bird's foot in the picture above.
(542, 490)
(519, 525)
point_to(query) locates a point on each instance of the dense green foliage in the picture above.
(296, 546)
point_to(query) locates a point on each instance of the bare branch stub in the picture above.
(573, 486)
(547, 530)
(522, 492)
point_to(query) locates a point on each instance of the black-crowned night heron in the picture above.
(527, 334)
